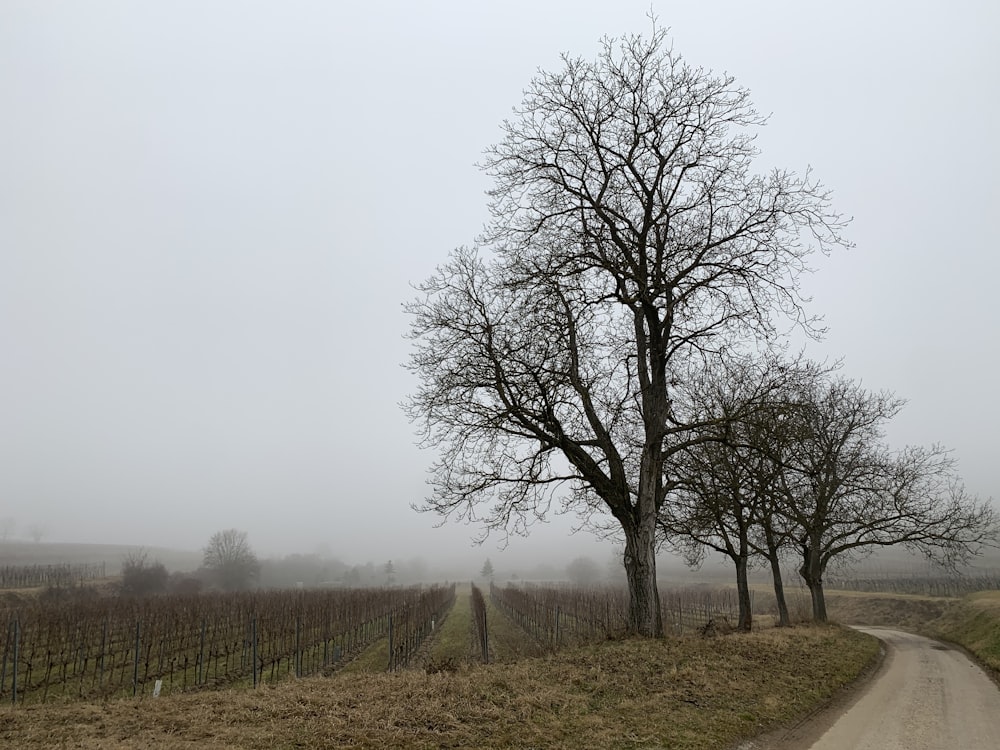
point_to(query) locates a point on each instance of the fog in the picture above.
(211, 213)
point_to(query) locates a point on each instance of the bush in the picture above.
(185, 584)
(141, 577)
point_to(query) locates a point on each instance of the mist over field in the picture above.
(211, 215)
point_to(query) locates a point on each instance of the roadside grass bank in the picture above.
(689, 693)
(904, 611)
(973, 622)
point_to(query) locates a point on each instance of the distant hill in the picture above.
(42, 553)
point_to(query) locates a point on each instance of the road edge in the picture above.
(810, 726)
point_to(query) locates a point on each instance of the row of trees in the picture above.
(793, 461)
(593, 348)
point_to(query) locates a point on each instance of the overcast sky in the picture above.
(211, 213)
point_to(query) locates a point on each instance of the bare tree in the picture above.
(774, 535)
(729, 477)
(7, 526)
(231, 559)
(847, 493)
(716, 509)
(631, 243)
(37, 532)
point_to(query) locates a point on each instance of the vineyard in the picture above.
(560, 616)
(924, 585)
(108, 647)
(33, 576)
(104, 647)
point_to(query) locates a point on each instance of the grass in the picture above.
(687, 693)
(450, 641)
(453, 639)
(375, 658)
(454, 642)
(508, 642)
(905, 611)
(973, 623)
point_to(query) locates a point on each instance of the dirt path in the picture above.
(926, 696)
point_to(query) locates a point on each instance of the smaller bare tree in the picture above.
(847, 493)
(140, 576)
(231, 560)
(37, 532)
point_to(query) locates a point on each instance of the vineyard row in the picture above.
(164, 644)
(929, 585)
(33, 576)
(558, 616)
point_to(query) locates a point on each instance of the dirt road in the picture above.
(926, 696)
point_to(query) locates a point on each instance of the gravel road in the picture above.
(925, 696)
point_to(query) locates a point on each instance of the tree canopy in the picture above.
(846, 492)
(633, 244)
(231, 559)
(801, 467)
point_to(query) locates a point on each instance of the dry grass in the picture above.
(508, 642)
(974, 623)
(906, 611)
(679, 693)
(453, 640)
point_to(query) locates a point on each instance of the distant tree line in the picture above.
(229, 563)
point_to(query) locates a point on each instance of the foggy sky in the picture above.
(211, 212)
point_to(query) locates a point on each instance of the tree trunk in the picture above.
(779, 591)
(743, 594)
(645, 618)
(818, 600)
(812, 572)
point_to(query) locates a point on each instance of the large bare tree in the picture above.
(632, 242)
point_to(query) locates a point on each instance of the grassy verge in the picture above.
(904, 611)
(973, 623)
(375, 658)
(686, 693)
(507, 641)
(452, 641)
